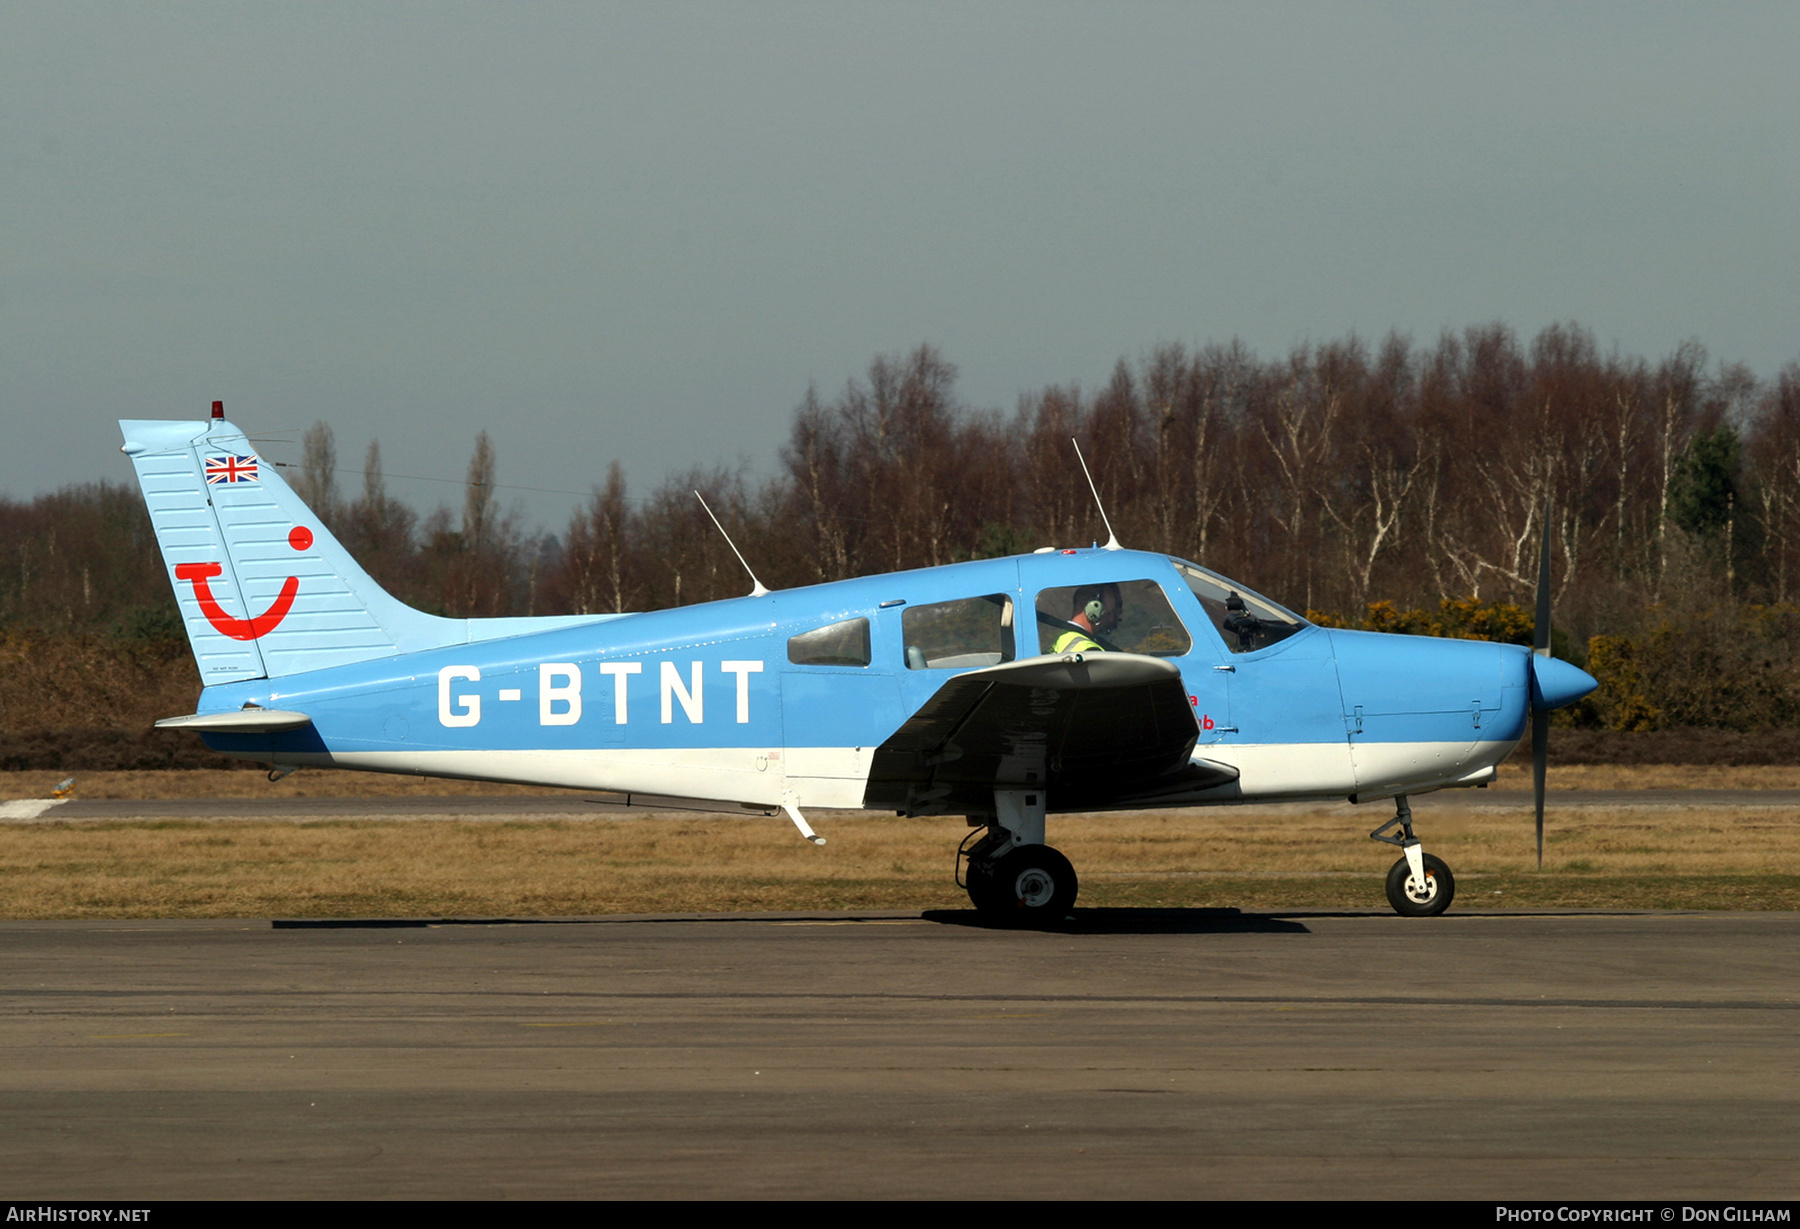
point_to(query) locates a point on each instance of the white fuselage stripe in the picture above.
(837, 776)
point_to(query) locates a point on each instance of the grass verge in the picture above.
(1292, 857)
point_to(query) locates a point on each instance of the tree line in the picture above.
(1394, 486)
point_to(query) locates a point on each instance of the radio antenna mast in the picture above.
(1112, 539)
(756, 586)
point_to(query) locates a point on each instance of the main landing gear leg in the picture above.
(1013, 877)
(1419, 884)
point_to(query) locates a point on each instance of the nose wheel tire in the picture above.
(1031, 885)
(1413, 899)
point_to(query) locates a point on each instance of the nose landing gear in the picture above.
(1413, 895)
(1419, 884)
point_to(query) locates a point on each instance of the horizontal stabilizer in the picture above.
(1092, 730)
(238, 721)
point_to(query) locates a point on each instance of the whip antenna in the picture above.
(756, 586)
(1112, 539)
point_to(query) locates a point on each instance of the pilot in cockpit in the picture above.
(1096, 611)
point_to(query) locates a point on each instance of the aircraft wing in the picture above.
(1093, 730)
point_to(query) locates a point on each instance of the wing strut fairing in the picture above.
(1093, 731)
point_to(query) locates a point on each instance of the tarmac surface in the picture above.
(1131, 1053)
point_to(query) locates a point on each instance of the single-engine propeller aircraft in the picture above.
(1003, 690)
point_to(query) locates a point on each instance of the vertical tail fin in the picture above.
(264, 589)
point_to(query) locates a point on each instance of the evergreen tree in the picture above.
(1704, 487)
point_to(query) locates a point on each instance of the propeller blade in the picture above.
(1540, 763)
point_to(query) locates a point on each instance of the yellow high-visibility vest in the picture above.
(1075, 642)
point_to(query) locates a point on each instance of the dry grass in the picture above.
(1515, 776)
(1741, 858)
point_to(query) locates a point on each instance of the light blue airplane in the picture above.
(1136, 680)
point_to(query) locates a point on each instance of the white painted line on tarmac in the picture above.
(28, 808)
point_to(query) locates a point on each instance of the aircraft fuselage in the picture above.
(706, 701)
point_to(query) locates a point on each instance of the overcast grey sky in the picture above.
(642, 231)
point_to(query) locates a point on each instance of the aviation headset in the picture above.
(1095, 605)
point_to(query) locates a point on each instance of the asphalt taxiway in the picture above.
(1131, 1053)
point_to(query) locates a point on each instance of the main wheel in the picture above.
(984, 889)
(1410, 898)
(1032, 885)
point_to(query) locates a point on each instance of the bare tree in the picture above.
(378, 530)
(317, 482)
(1298, 426)
(479, 504)
(1215, 399)
(815, 456)
(597, 569)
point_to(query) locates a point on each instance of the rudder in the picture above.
(264, 589)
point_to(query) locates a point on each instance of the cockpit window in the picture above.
(1248, 621)
(960, 635)
(1117, 616)
(835, 644)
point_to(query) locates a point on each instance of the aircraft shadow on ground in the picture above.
(1080, 921)
(1136, 921)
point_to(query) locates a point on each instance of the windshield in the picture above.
(1247, 620)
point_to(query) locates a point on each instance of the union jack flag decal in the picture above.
(230, 469)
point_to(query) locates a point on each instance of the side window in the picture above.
(835, 644)
(960, 635)
(1117, 616)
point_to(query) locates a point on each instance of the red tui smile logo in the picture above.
(244, 629)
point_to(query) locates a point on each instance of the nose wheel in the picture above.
(1412, 898)
(1419, 884)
